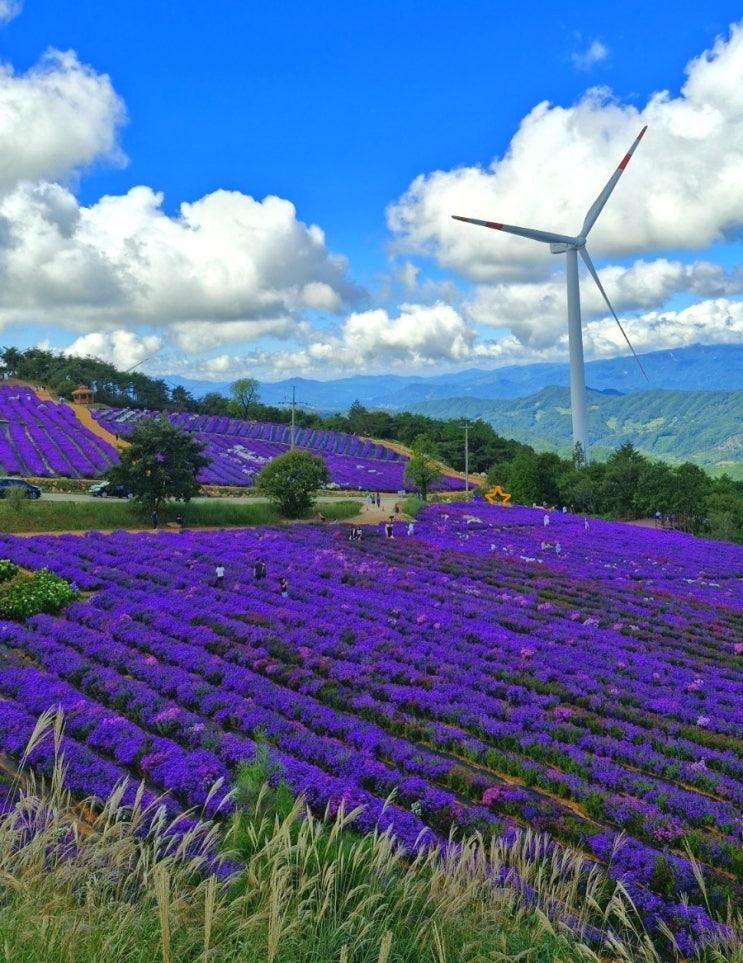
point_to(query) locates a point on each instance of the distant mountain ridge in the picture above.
(701, 426)
(696, 368)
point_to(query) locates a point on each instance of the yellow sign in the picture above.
(496, 496)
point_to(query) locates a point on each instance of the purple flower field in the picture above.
(488, 680)
(239, 449)
(44, 439)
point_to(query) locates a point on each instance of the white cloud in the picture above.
(197, 336)
(320, 296)
(408, 275)
(422, 338)
(9, 9)
(124, 349)
(715, 321)
(249, 267)
(536, 311)
(224, 258)
(594, 53)
(683, 189)
(419, 336)
(56, 118)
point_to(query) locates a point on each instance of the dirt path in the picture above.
(371, 515)
(86, 419)
(407, 452)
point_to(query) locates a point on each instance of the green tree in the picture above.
(691, 489)
(182, 399)
(621, 482)
(161, 462)
(549, 468)
(11, 359)
(291, 481)
(654, 489)
(523, 479)
(725, 516)
(579, 455)
(244, 393)
(422, 471)
(581, 489)
(498, 473)
(214, 404)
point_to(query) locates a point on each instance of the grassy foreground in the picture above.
(93, 882)
(41, 516)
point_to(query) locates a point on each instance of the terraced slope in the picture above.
(42, 438)
(488, 678)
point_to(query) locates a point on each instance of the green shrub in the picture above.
(8, 570)
(41, 592)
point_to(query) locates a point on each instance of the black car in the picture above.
(107, 490)
(29, 490)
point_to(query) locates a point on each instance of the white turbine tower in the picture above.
(570, 247)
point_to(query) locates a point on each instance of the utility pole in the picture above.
(293, 403)
(466, 456)
(294, 407)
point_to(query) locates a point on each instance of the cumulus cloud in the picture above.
(418, 336)
(713, 321)
(446, 338)
(536, 311)
(9, 9)
(594, 53)
(249, 267)
(58, 117)
(226, 257)
(124, 349)
(683, 189)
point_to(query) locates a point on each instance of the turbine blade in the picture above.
(598, 205)
(545, 236)
(589, 264)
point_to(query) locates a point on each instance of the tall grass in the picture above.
(41, 516)
(88, 882)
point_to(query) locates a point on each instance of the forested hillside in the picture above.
(705, 427)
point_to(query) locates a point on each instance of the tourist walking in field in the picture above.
(379, 501)
(179, 520)
(546, 520)
(389, 530)
(153, 518)
(220, 575)
(284, 587)
(259, 569)
(411, 528)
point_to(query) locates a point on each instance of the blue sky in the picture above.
(336, 110)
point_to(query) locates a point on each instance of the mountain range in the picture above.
(699, 367)
(701, 426)
(689, 408)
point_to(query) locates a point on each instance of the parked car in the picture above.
(29, 490)
(105, 489)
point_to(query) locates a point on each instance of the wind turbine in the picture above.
(571, 247)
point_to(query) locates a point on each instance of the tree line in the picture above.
(627, 485)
